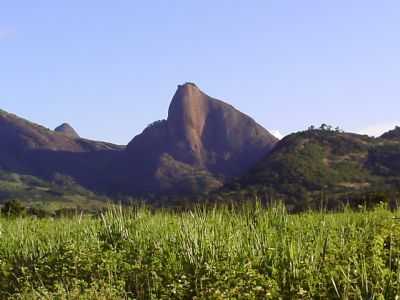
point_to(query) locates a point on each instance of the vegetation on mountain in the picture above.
(42, 197)
(327, 166)
(392, 134)
(183, 178)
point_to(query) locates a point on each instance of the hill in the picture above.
(316, 166)
(392, 134)
(59, 195)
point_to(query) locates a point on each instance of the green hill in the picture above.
(321, 166)
(392, 134)
(62, 193)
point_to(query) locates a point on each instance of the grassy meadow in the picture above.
(221, 253)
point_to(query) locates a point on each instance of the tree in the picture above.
(13, 208)
(323, 127)
(311, 128)
(63, 180)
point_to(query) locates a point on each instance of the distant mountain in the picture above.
(67, 130)
(18, 134)
(28, 148)
(203, 142)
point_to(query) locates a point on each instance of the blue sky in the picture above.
(111, 67)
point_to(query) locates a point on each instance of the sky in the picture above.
(109, 68)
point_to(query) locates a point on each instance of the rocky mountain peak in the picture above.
(67, 130)
(205, 132)
(187, 118)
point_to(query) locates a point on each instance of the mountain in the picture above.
(31, 149)
(67, 130)
(18, 134)
(392, 134)
(311, 166)
(202, 142)
(204, 145)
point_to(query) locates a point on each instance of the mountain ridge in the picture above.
(202, 143)
(207, 146)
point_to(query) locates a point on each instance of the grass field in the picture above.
(247, 253)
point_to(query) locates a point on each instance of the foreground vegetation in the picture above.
(224, 253)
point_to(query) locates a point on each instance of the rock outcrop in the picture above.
(204, 139)
(206, 133)
(67, 130)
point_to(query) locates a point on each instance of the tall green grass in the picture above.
(223, 253)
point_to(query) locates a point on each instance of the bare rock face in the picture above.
(213, 134)
(67, 130)
(205, 133)
(187, 119)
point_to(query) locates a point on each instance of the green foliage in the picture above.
(385, 159)
(13, 209)
(42, 198)
(156, 124)
(392, 134)
(308, 167)
(248, 252)
(184, 178)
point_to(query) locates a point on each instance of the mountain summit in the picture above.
(200, 133)
(211, 133)
(67, 130)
